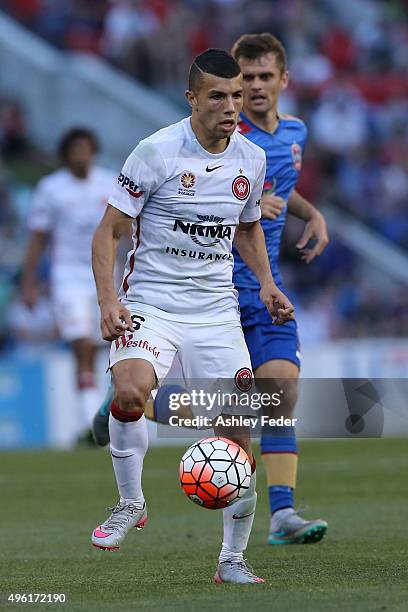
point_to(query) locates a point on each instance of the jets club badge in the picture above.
(241, 187)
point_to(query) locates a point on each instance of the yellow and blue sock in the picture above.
(280, 458)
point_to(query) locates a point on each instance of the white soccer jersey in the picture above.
(186, 203)
(70, 209)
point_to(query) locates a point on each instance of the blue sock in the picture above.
(161, 404)
(280, 497)
(279, 440)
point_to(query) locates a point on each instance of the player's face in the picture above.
(263, 82)
(217, 104)
(80, 155)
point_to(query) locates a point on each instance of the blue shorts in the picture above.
(265, 340)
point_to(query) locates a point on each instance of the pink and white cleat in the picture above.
(235, 572)
(112, 532)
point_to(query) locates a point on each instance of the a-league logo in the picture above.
(188, 180)
(243, 379)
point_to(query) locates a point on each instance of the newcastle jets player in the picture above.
(187, 190)
(274, 350)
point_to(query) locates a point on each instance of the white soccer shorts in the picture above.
(209, 351)
(77, 312)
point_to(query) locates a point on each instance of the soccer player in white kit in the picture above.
(67, 207)
(187, 190)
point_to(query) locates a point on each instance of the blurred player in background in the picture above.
(67, 207)
(177, 295)
(274, 349)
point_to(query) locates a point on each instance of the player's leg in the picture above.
(84, 350)
(238, 520)
(75, 309)
(134, 380)
(137, 361)
(211, 353)
(280, 457)
(156, 409)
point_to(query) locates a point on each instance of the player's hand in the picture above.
(279, 306)
(271, 206)
(29, 293)
(115, 320)
(316, 229)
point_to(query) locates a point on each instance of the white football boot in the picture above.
(112, 532)
(235, 572)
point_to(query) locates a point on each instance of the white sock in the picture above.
(128, 447)
(89, 401)
(139, 502)
(237, 530)
(228, 555)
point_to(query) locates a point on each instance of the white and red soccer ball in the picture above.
(215, 472)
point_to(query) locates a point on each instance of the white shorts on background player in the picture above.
(76, 312)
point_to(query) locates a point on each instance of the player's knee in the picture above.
(131, 398)
(288, 396)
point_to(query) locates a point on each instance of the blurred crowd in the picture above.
(349, 82)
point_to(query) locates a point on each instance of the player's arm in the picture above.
(115, 318)
(250, 243)
(29, 283)
(316, 228)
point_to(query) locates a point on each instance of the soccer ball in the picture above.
(215, 472)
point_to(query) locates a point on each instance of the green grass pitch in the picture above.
(52, 501)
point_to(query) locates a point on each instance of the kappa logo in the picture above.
(296, 156)
(130, 186)
(241, 187)
(197, 231)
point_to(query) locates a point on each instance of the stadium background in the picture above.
(120, 68)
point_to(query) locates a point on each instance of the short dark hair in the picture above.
(213, 61)
(77, 133)
(252, 46)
